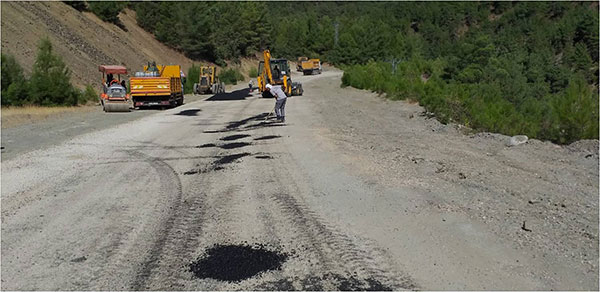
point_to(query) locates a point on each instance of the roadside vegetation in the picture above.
(193, 76)
(230, 76)
(526, 68)
(253, 72)
(49, 84)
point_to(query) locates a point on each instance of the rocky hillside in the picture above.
(82, 39)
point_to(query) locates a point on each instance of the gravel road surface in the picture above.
(353, 192)
(62, 127)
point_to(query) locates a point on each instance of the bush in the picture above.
(78, 5)
(231, 76)
(14, 85)
(107, 10)
(89, 95)
(253, 73)
(576, 112)
(193, 76)
(50, 81)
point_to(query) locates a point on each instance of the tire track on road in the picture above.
(168, 177)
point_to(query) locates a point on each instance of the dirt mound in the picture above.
(82, 39)
(587, 146)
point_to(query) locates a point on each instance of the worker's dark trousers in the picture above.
(280, 108)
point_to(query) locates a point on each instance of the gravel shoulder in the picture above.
(356, 192)
(541, 199)
(58, 128)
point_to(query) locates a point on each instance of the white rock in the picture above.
(517, 140)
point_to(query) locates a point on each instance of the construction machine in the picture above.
(157, 85)
(276, 72)
(209, 81)
(299, 63)
(114, 97)
(312, 66)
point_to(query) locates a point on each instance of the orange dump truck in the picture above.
(312, 66)
(157, 85)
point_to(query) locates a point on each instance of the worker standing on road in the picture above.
(279, 102)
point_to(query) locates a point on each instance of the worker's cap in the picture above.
(269, 86)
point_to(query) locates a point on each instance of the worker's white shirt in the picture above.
(277, 92)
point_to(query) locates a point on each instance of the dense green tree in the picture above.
(107, 10)
(50, 80)
(14, 85)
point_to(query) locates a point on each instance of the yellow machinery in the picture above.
(276, 72)
(299, 63)
(312, 66)
(209, 81)
(157, 85)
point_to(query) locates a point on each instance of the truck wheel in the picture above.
(195, 90)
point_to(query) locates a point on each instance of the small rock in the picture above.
(79, 259)
(461, 175)
(517, 140)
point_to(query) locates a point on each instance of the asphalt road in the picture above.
(213, 196)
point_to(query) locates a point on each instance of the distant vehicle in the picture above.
(276, 72)
(209, 81)
(114, 97)
(157, 85)
(312, 66)
(299, 63)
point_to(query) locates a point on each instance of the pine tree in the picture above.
(107, 10)
(14, 85)
(50, 80)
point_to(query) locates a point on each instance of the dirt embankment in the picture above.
(82, 39)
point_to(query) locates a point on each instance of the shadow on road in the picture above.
(189, 112)
(240, 94)
(245, 125)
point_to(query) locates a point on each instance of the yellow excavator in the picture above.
(276, 72)
(209, 81)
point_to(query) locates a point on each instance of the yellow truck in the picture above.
(299, 63)
(312, 66)
(157, 85)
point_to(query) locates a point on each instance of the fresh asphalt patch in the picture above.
(269, 137)
(234, 263)
(234, 137)
(239, 94)
(263, 157)
(234, 145)
(189, 112)
(230, 158)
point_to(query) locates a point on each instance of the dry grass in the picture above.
(15, 116)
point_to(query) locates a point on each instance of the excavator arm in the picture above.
(267, 58)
